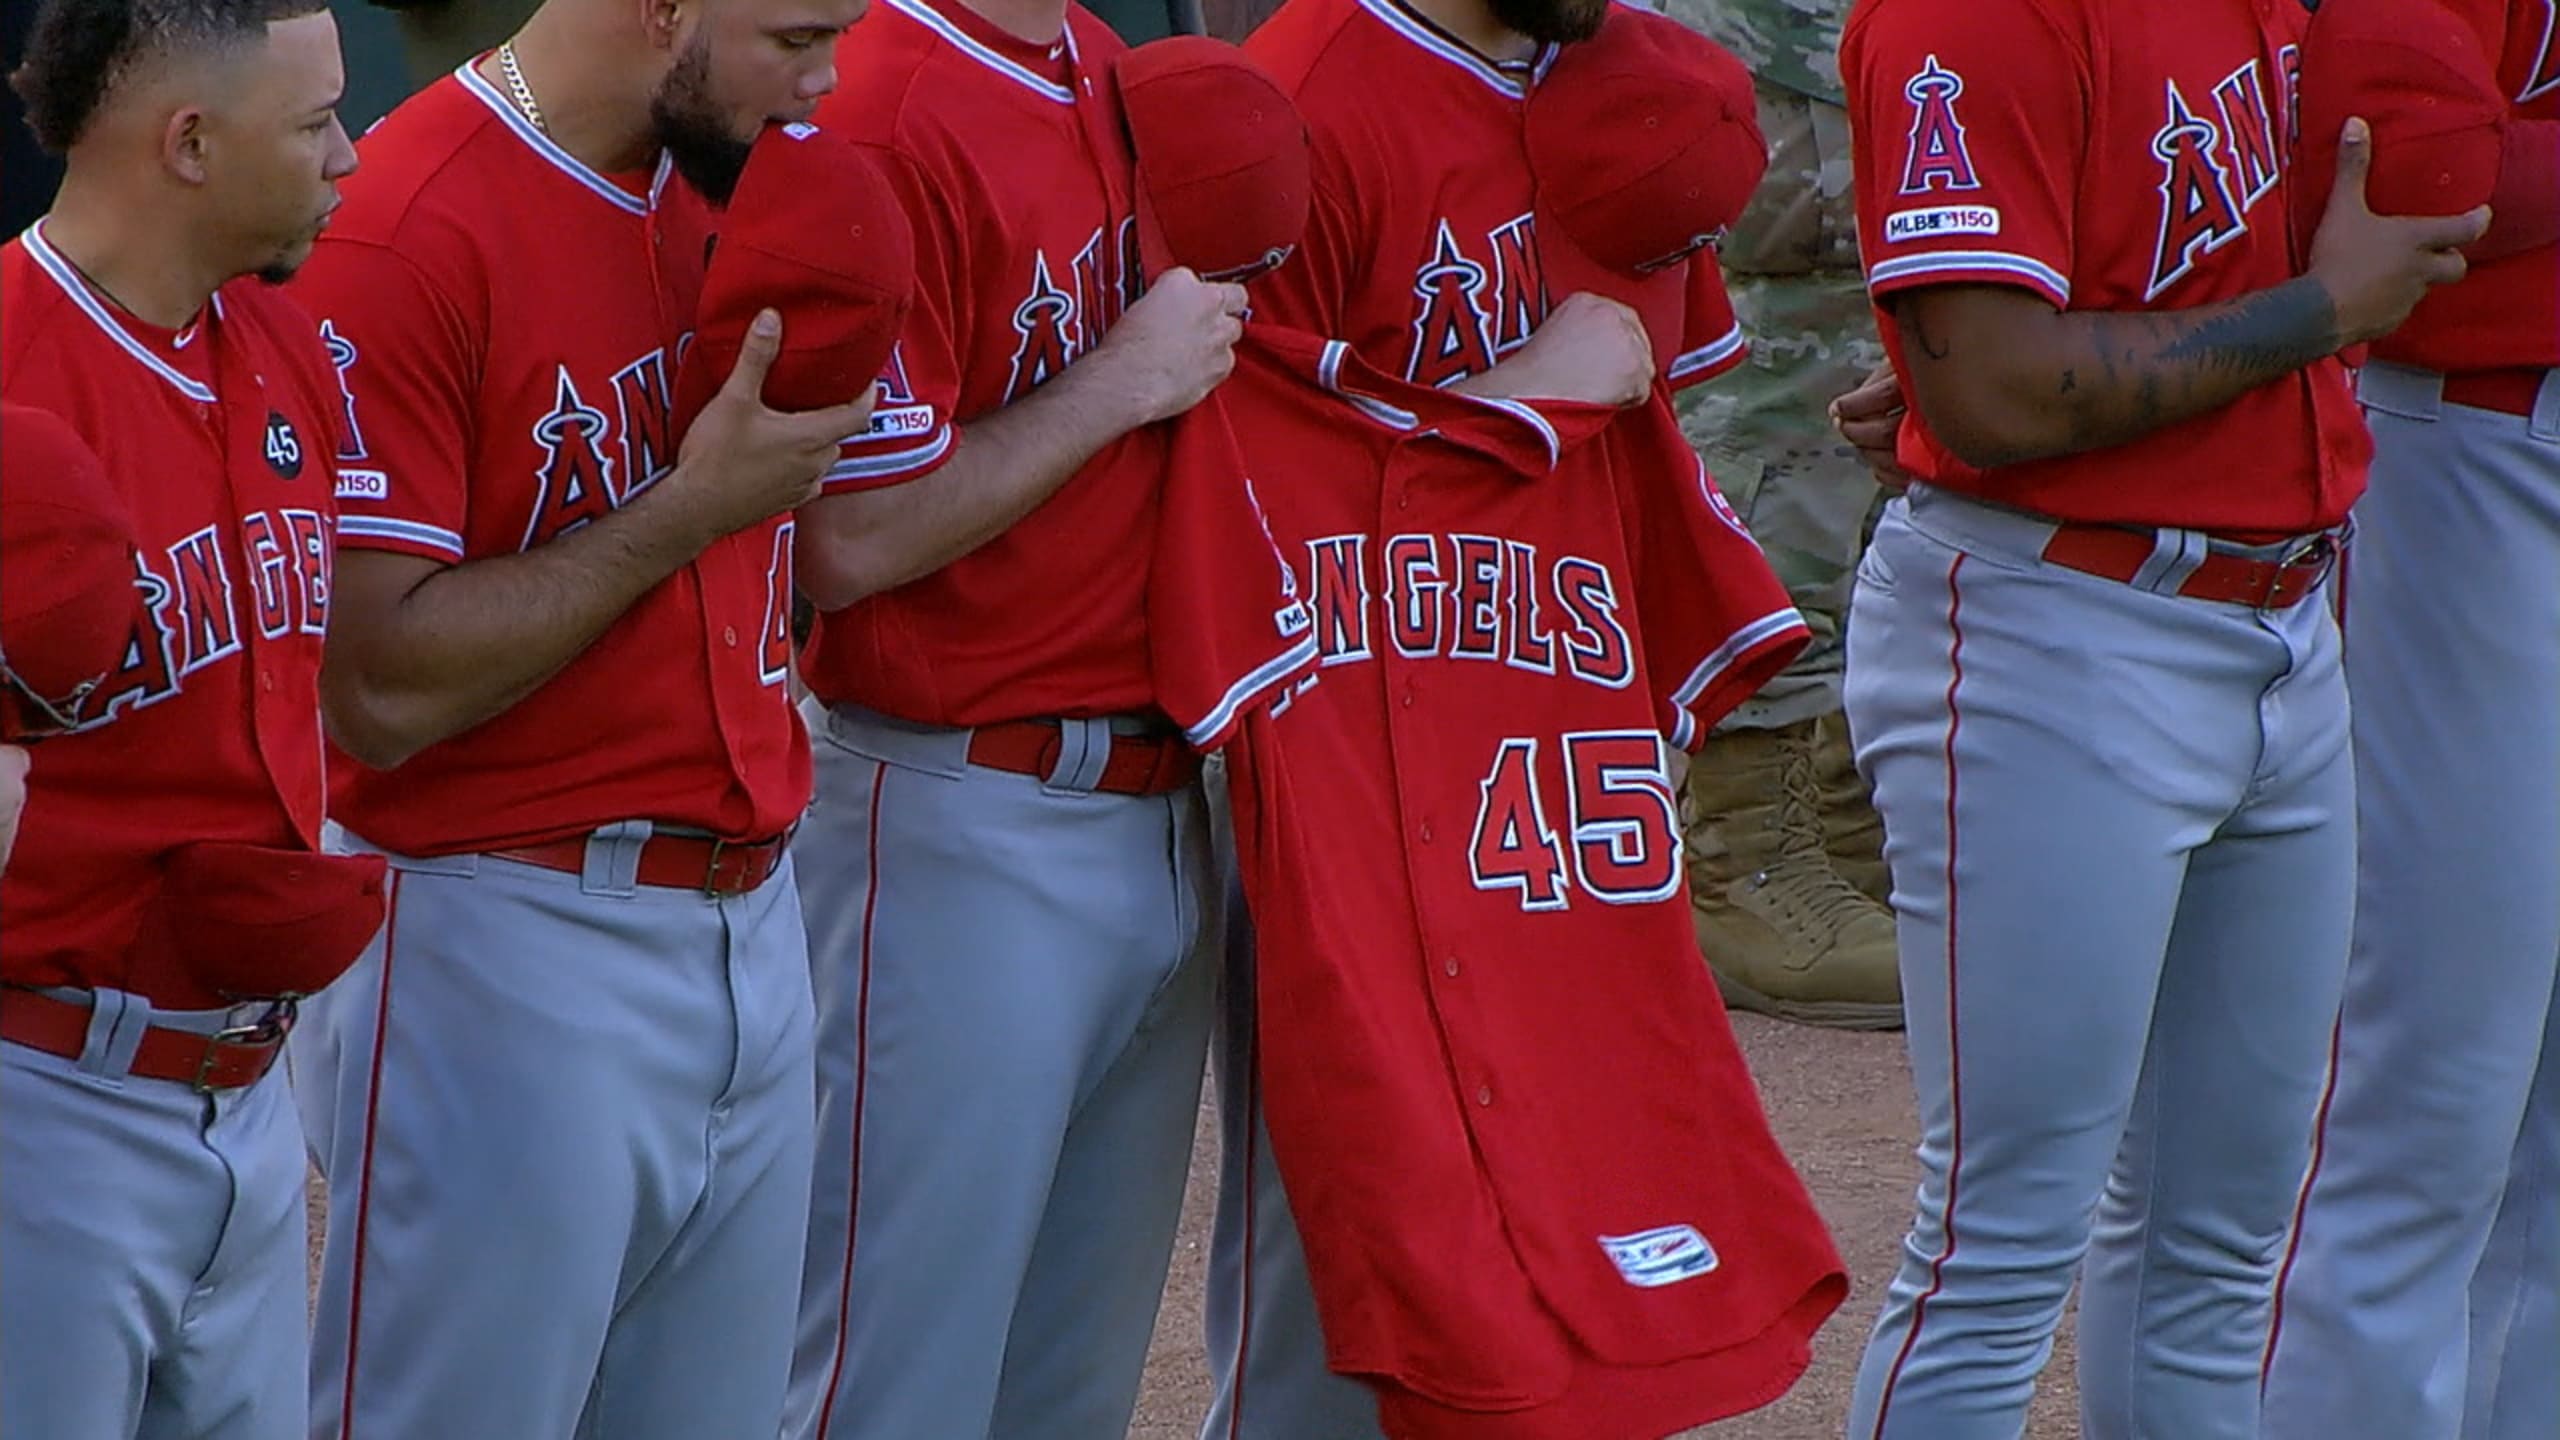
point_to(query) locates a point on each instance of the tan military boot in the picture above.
(1850, 829)
(1783, 931)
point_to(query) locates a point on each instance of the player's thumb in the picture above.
(2355, 162)
(755, 357)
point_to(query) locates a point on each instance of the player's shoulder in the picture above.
(413, 163)
(883, 74)
(2028, 31)
(1097, 44)
(37, 307)
(1307, 38)
(273, 320)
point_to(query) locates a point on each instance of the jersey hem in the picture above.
(405, 537)
(879, 471)
(1730, 674)
(1996, 267)
(1217, 727)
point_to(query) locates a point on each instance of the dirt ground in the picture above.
(1842, 1105)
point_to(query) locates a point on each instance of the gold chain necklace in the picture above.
(523, 92)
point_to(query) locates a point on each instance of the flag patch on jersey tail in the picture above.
(1651, 1259)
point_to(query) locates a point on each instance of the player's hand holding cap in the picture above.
(1223, 173)
(814, 233)
(2418, 75)
(1644, 143)
(67, 595)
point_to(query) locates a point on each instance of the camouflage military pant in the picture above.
(1792, 264)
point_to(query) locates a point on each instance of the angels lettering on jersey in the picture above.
(1476, 299)
(1065, 308)
(1468, 598)
(189, 613)
(589, 463)
(2219, 154)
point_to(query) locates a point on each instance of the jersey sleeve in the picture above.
(1716, 623)
(1711, 338)
(407, 361)
(1970, 117)
(1229, 631)
(913, 430)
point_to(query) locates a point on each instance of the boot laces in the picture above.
(1804, 886)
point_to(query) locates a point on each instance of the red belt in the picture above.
(2513, 391)
(1138, 764)
(226, 1060)
(2115, 554)
(676, 862)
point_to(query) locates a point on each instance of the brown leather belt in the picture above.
(2512, 391)
(240, 1055)
(717, 868)
(1138, 764)
(2114, 554)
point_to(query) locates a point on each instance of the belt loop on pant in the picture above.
(2546, 408)
(1084, 748)
(613, 858)
(2175, 556)
(117, 1020)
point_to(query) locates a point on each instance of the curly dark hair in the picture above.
(78, 49)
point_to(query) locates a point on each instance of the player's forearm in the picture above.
(860, 544)
(2003, 379)
(434, 657)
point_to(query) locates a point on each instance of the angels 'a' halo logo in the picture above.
(282, 446)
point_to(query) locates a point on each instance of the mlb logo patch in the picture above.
(1651, 1259)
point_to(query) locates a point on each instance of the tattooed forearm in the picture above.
(2032, 382)
(2260, 337)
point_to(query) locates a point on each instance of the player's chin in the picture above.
(287, 262)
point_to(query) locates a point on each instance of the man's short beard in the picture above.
(1551, 22)
(692, 130)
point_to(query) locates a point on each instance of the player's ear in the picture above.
(182, 144)
(663, 20)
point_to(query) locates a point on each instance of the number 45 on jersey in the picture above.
(1620, 844)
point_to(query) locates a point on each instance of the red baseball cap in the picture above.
(67, 596)
(2425, 82)
(1645, 144)
(814, 233)
(1223, 174)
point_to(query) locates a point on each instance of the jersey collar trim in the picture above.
(543, 145)
(1329, 375)
(51, 262)
(1508, 83)
(969, 45)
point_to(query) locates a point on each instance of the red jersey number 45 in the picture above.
(1620, 843)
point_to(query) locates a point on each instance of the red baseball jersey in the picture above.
(505, 323)
(2103, 155)
(219, 437)
(2505, 312)
(1026, 251)
(1561, 1212)
(1421, 249)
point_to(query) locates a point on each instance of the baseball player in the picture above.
(1786, 867)
(1422, 256)
(165, 901)
(564, 1103)
(2421, 1300)
(1008, 942)
(2095, 679)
